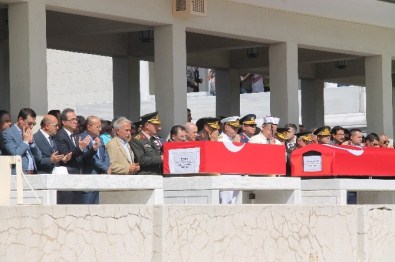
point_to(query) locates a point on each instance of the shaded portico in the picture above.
(286, 57)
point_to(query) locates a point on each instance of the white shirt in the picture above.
(127, 149)
(261, 139)
(45, 134)
(225, 138)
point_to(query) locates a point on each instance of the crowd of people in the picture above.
(95, 146)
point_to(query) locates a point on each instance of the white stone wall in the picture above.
(197, 233)
(84, 82)
(78, 79)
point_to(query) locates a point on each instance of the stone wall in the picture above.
(197, 233)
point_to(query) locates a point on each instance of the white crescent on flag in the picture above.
(232, 147)
(355, 152)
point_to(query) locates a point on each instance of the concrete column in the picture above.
(170, 77)
(4, 76)
(379, 109)
(312, 103)
(126, 78)
(227, 86)
(283, 66)
(28, 56)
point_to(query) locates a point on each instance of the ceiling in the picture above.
(372, 12)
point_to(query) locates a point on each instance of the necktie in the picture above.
(130, 153)
(94, 143)
(72, 137)
(52, 144)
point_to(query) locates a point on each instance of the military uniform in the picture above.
(247, 120)
(148, 149)
(323, 133)
(209, 121)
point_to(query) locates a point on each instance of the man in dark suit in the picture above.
(5, 122)
(147, 147)
(67, 142)
(96, 159)
(45, 142)
(18, 140)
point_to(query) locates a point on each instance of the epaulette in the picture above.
(140, 136)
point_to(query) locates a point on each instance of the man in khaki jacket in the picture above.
(122, 160)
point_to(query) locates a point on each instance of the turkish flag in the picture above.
(225, 158)
(344, 161)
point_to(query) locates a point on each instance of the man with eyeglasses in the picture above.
(18, 140)
(384, 141)
(96, 159)
(46, 143)
(178, 134)
(68, 142)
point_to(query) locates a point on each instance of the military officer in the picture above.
(208, 129)
(304, 138)
(147, 146)
(266, 134)
(282, 134)
(248, 127)
(230, 127)
(323, 135)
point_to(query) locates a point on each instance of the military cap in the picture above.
(212, 122)
(305, 135)
(232, 121)
(137, 124)
(268, 120)
(248, 120)
(151, 117)
(323, 131)
(282, 132)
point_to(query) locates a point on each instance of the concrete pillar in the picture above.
(227, 86)
(379, 110)
(4, 76)
(283, 66)
(312, 103)
(126, 78)
(170, 77)
(28, 56)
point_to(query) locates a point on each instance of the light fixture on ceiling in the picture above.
(146, 36)
(252, 52)
(341, 64)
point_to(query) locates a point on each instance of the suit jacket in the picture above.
(148, 154)
(94, 162)
(1, 144)
(119, 160)
(65, 145)
(14, 145)
(45, 165)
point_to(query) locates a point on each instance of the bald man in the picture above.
(44, 140)
(191, 130)
(96, 159)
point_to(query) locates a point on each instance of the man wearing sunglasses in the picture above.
(384, 141)
(18, 140)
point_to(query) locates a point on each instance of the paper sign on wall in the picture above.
(184, 160)
(312, 163)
